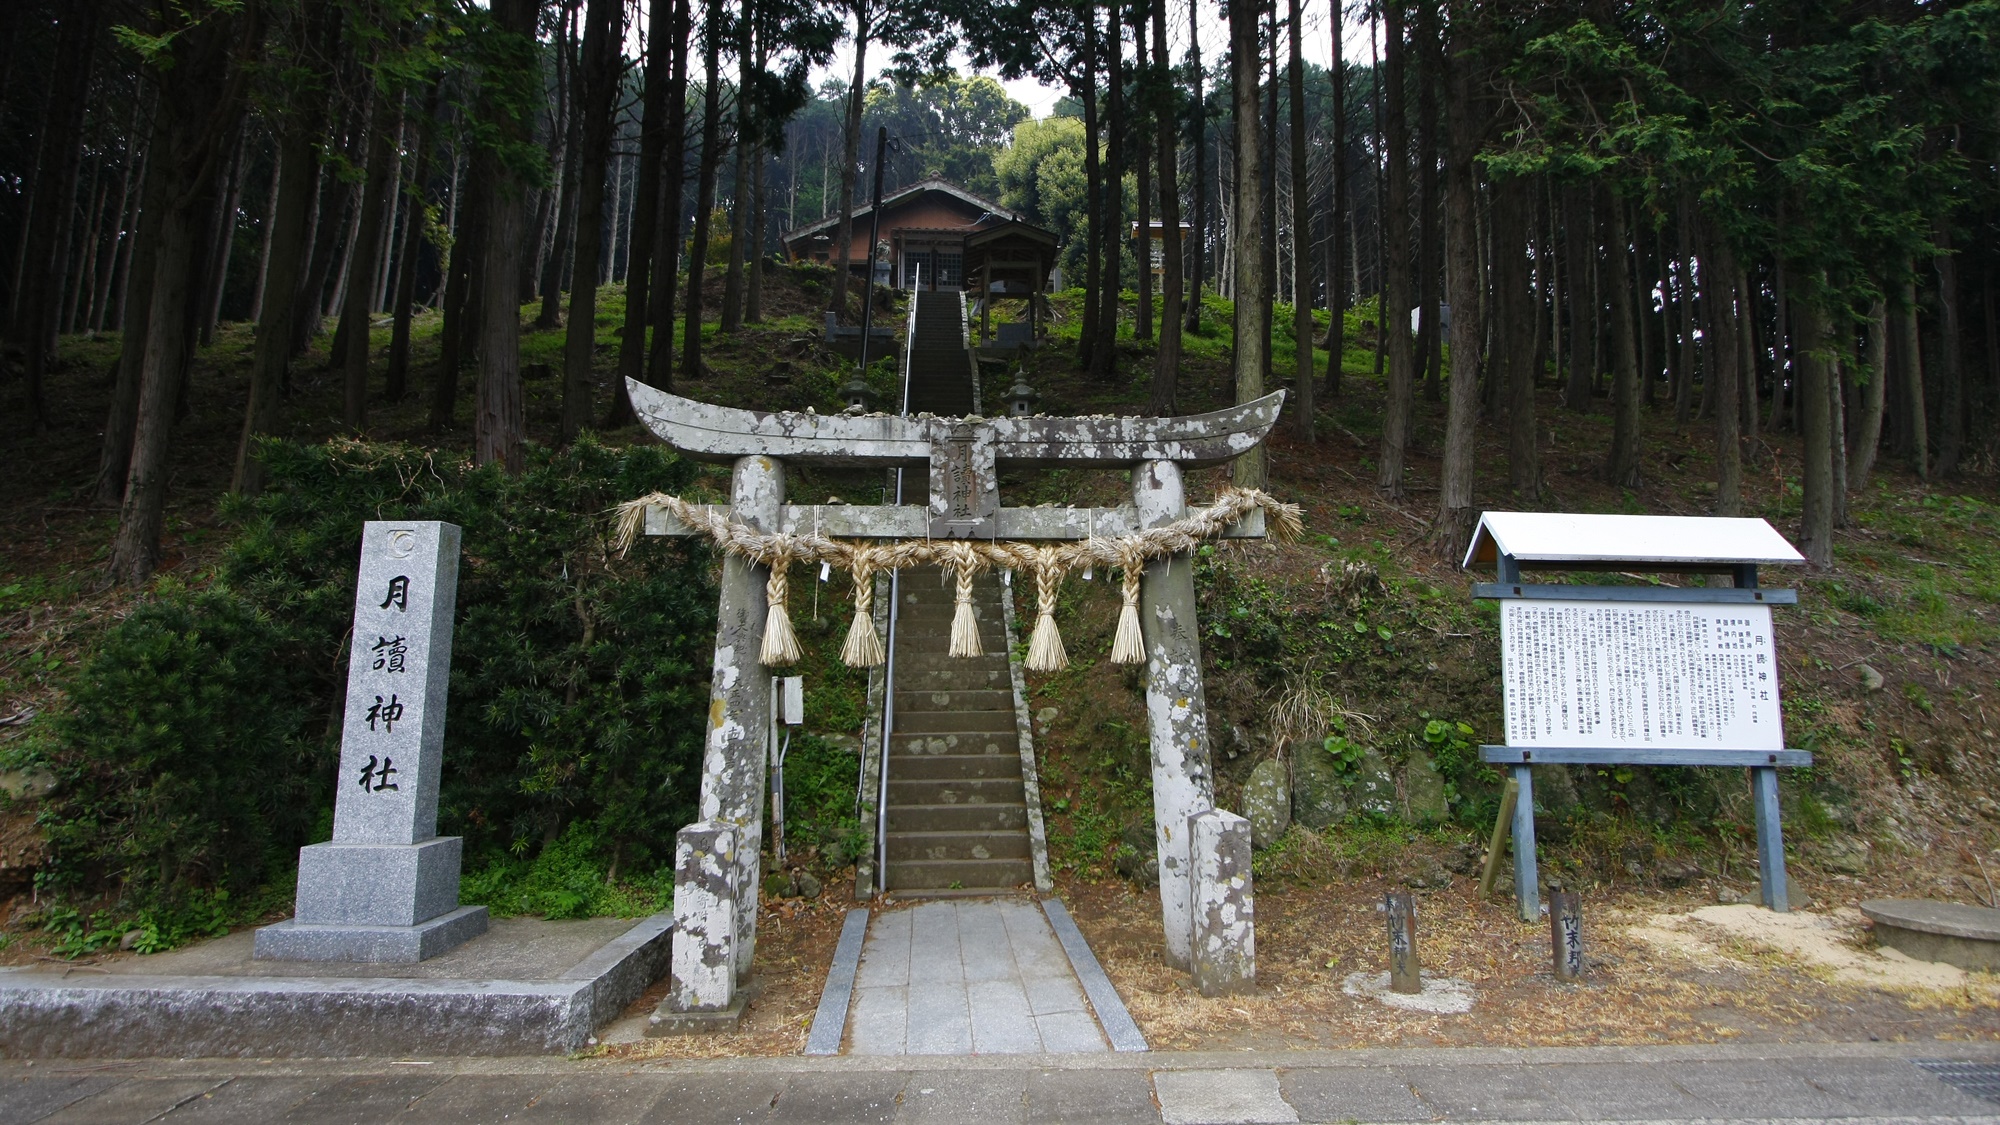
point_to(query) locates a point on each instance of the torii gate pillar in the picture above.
(733, 770)
(1176, 708)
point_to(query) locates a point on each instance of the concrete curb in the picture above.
(830, 1020)
(139, 1016)
(1117, 1023)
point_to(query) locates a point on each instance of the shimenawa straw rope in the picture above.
(964, 558)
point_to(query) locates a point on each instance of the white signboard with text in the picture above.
(1624, 674)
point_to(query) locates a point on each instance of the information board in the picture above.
(1619, 674)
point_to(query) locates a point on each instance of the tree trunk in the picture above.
(46, 249)
(460, 331)
(115, 275)
(1874, 367)
(1913, 373)
(1167, 363)
(1104, 356)
(1719, 269)
(740, 197)
(704, 205)
(1246, 222)
(646, 206)
(667, 239)
(597, 99)
(1746, 340)
(1396, 264)
(843, 250)
(135, 318)
(416, 220)
(1430, 342)
(1580, 234)
(1513, 298)
(1200, 135)
(1951, 368)
(1302, 306)
(1336, 276)
(1463, 119)
(499, 422)
(1621, 467)
(200, 105)
(754, 256)
(1815, 414)
(222, 241)
(1142, 167)
(291, 228)
(1684, 387)
(561, 244)
(1836, 393)
(1094, 193)
(354, 314)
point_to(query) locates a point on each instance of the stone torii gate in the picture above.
(716, 878)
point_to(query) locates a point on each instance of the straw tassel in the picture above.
(781, 644)
(863, 648)
(1129, 645)
(964, 627)
(1045, 647)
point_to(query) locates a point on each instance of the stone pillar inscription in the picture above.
(386, 887)
(1176, 710)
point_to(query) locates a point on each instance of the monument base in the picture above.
(292, 940)
(666, 1020)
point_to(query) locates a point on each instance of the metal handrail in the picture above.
(895, 600)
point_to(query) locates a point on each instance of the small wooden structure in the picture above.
(1012, 259)
(1649, 675)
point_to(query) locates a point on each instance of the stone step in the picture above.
(952, 674)
(962, 699)
(905, 745)
(935, 846)
(998, 817)
(957, 874)
(954, 767)
(953, 722)
(946, 792)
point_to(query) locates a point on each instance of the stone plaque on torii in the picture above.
(716, 878)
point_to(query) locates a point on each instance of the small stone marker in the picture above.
(1224, 955)
(1566, 933)
(1405, 975)
(703, 965)
(385, 889)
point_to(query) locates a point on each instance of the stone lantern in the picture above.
(857, 392)
(1021, 398)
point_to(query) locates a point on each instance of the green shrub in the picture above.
(197, 747)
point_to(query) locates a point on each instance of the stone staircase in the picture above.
(940, 362)
(957, 808)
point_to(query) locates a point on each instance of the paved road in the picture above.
(1861, 1084)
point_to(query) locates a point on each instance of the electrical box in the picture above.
(789, 700)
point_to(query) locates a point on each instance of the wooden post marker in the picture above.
(1497, 843)
(1404, 974)
(1566, 933)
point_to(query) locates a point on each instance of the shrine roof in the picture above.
(1652, 541)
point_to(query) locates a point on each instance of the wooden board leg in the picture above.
(1770, 840)
(1496, 845)
(1527, 895)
